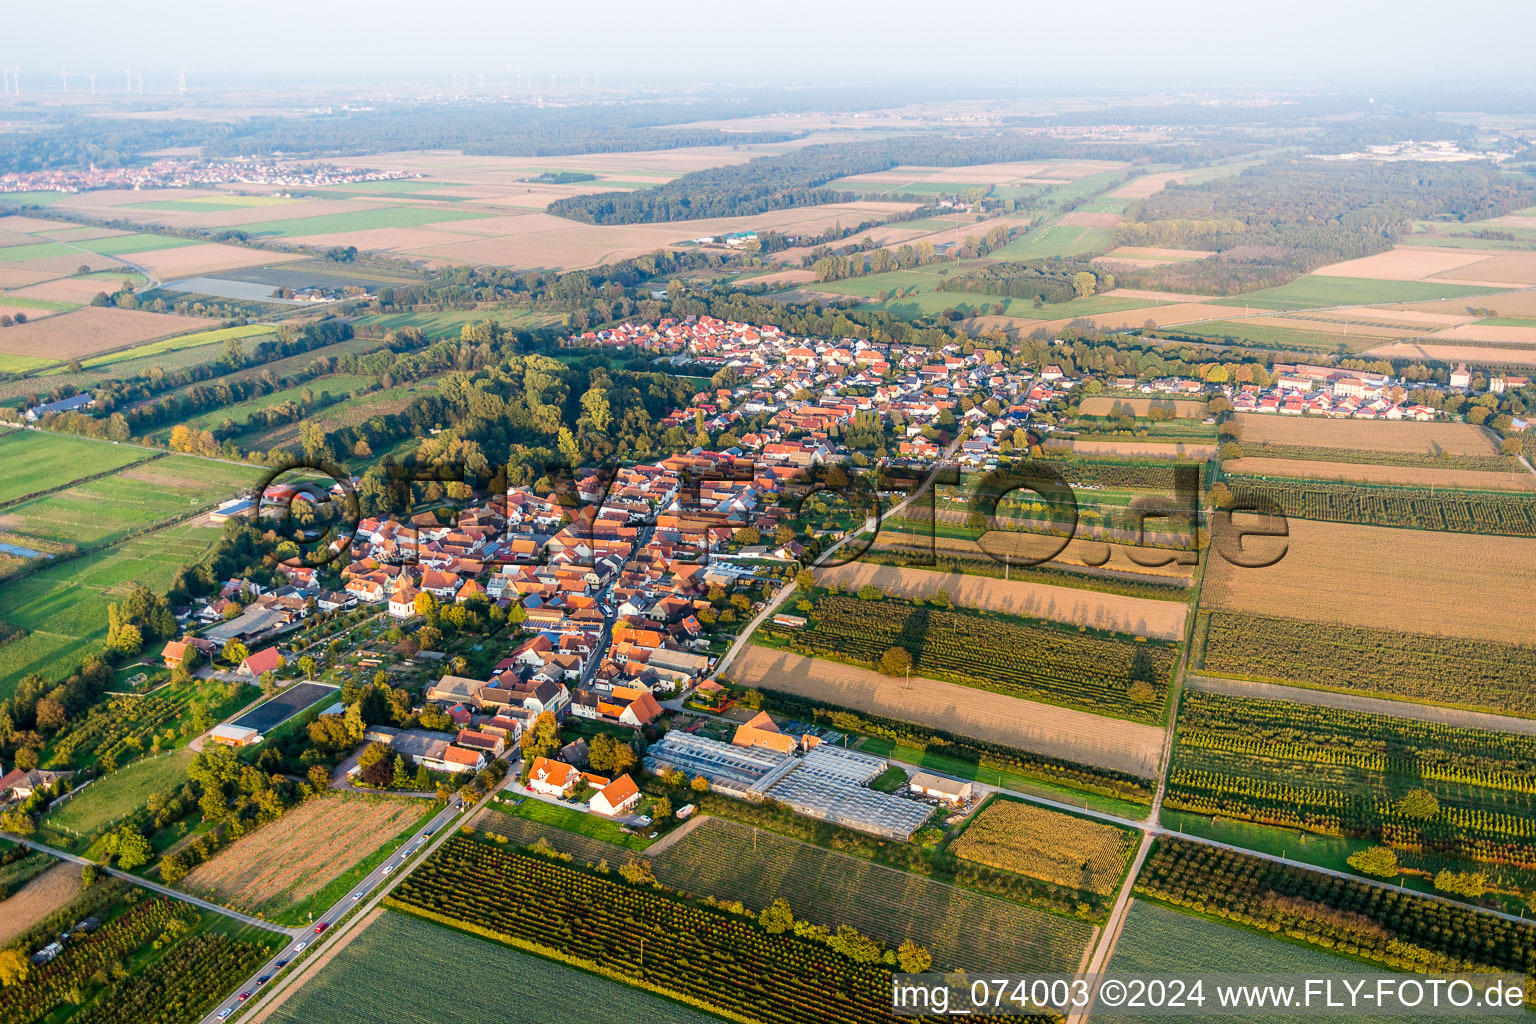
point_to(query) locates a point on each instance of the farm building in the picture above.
(940, 787)
(743, 772)
(234, 735)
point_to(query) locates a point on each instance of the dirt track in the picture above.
(1045, 728)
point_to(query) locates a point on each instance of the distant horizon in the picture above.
(1181, 44)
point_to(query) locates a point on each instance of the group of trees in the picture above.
(1044, 280)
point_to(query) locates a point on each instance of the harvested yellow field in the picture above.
(1145, 449)
(1514, 268)
(302, 852)
(1405, 316)
(1045, 728)
(1456, 353)
(1153, 252)
(1512, 304)
(92, 330)
(1110, 405)
(1041, 843)
(37, 899)
(1178, 313)
(1161, 619)
(1149, 184)
(1418, 581)
(1078, 552)
(1486, 332)
(1466, 479)
(1310, 323)
(193, 260)
(1406, 263)
(1405, 436)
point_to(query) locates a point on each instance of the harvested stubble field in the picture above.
(1490, 334)
(1484, 354)
(91, 330)
(1364, 472)
(1406, 263)
(1443, 584)
(1110, 405)
(302, 852)
(962, 929)
(1400, 436)
(1143, 449)
(1046, 844)
(1078, 553)
(1161, 619)
(1503, 269)
(965, 710)
(37, 899)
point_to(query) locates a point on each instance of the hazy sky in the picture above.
(1056, 44)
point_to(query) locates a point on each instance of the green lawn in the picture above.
(179, 342)
(1265, 336)
(449, 322)
(22, 364)
(108, 508)
(357, 220)
(336, 384)
(121, 245)
(36, 461)
(113, 796)
(35, 251)
(1055, 240)
(42, 198)
(572, 820)
(371, 982)
(1313, 290)
(202, 204)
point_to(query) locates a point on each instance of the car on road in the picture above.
(357, 895)
(322, 926)
(281, 964)
(226, 1012)
(427, 835)
(263, 979)
(244, 996)
(301, 947)
(388, 868)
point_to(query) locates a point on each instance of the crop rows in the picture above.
(1422, 508)
(1384, 926)
(180, 986)
(1366, 456)
(1037, 662)
(1335, 771)
(1412, 666)
(704, 956)
(963, 930)
(1046, 844)
(53, 983)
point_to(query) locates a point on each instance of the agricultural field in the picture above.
(1162, 620)
(32, 900)
(1422, 581)
(62, 608)
(336, 385)
(1115, 406)
(291, 859)
(1158, 941)
(112, 797)
(36, 461)
(692, 952)
(960, 928)
(964, 710)
(1031, 840)
(1313, 290)
(1335, 771)
(181, 342)
(1056, 240)
(368, 982)
(1399, 931)
(91, 331)
(109, 508)
(128, 726)
(1389, 663)
(1102, 672)
(1402, 437)
(1410, 507)
(1510, 476)
(448, 322)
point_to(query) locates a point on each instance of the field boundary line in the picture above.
(81, 480)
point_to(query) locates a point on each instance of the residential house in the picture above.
(618, 797)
